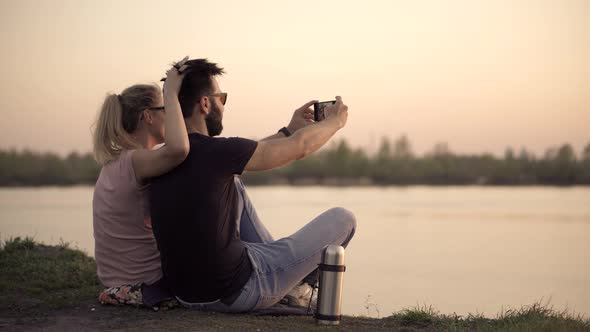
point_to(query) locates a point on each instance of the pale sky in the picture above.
(480, 75)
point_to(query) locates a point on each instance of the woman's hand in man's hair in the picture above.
(174, 77)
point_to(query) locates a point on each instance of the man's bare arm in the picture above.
(274, 153)
(275, 136)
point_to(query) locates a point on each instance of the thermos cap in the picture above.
(333, 255)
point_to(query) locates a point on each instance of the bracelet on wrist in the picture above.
(285, 131)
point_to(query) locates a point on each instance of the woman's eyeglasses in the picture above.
(157, 109)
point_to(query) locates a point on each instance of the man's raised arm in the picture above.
(274, 153)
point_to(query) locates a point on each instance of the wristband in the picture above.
(285, 131)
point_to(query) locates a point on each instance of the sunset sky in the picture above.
(480, 75)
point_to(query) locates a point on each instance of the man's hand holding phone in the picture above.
(302, 117)
(337, 112)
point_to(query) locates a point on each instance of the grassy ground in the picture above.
(55, 288)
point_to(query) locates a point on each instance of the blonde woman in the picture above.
(128, 127)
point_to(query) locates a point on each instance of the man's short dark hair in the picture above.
(196, 83)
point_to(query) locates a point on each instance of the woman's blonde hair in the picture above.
(118, 118)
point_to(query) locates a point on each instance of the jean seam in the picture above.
(246, 210)
(259, 238)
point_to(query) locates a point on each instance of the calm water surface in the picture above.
(459, 249)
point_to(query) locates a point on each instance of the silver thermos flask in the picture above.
(330, 289)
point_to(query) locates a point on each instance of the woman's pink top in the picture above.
(124, 246)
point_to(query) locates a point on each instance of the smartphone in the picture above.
(318, 109)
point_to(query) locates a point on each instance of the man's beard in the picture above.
(213, 121)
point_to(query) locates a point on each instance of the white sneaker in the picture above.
(300, 296)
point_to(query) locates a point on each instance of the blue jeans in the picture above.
(278, 266)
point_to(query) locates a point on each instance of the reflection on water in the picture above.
(459, 249)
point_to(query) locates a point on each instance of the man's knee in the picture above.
(344, 216)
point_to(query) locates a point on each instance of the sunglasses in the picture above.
(222, 95)
(157, 108)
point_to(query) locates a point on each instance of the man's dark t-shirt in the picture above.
(193, 210)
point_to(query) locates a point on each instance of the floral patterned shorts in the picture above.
(130, 295)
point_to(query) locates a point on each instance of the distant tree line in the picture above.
(394, 163)
(27, 168)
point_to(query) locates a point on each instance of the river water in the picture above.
(458, 249)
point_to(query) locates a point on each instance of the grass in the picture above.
(47, 276)
(535, 317)
(40, 283)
